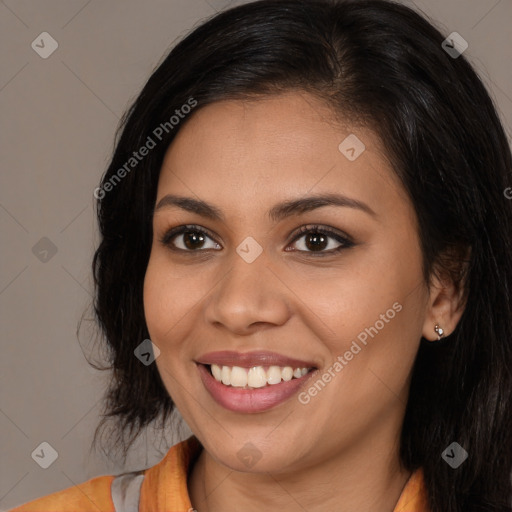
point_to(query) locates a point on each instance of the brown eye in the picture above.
(193, 239)
(188, 239)
(321, 240)
(315, 241)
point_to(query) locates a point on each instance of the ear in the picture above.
(446, 300)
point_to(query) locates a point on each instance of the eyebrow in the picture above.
(276, 213)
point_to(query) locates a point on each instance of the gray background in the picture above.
(58, 118)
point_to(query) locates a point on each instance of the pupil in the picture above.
(191, 238)
(315, 241)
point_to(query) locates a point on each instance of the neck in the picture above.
(365, 479)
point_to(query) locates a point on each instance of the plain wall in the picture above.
(58, 118)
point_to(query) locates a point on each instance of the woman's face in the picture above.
(254, 291)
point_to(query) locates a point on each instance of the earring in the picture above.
(439, 331)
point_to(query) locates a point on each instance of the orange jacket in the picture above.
(163, 488)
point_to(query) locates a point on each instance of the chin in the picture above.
(257, 452)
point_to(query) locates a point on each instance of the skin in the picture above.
(339, 451)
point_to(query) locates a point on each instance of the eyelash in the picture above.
(346, 243)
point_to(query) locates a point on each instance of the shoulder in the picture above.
(94, 494)
(164, 483)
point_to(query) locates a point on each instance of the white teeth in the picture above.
(287, 373)
(238, 377)
(274, 375)
(255, 377)
(217, 372)
(226, 375)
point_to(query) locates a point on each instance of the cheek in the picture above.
(166, 300)
(154, 303)
(376, 351)
(342, 302)
(172, 296)
(374, 319)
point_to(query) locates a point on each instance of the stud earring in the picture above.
(439, 331)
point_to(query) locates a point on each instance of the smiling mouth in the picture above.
(255, 377)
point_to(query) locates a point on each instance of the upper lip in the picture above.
(250, 359)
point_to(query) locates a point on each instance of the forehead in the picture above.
(246, 154)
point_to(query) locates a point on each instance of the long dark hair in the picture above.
(379, 64)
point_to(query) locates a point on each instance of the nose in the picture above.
(248, 297)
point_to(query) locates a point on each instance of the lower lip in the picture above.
(250, 400)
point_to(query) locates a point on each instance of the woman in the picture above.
(306, 215)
